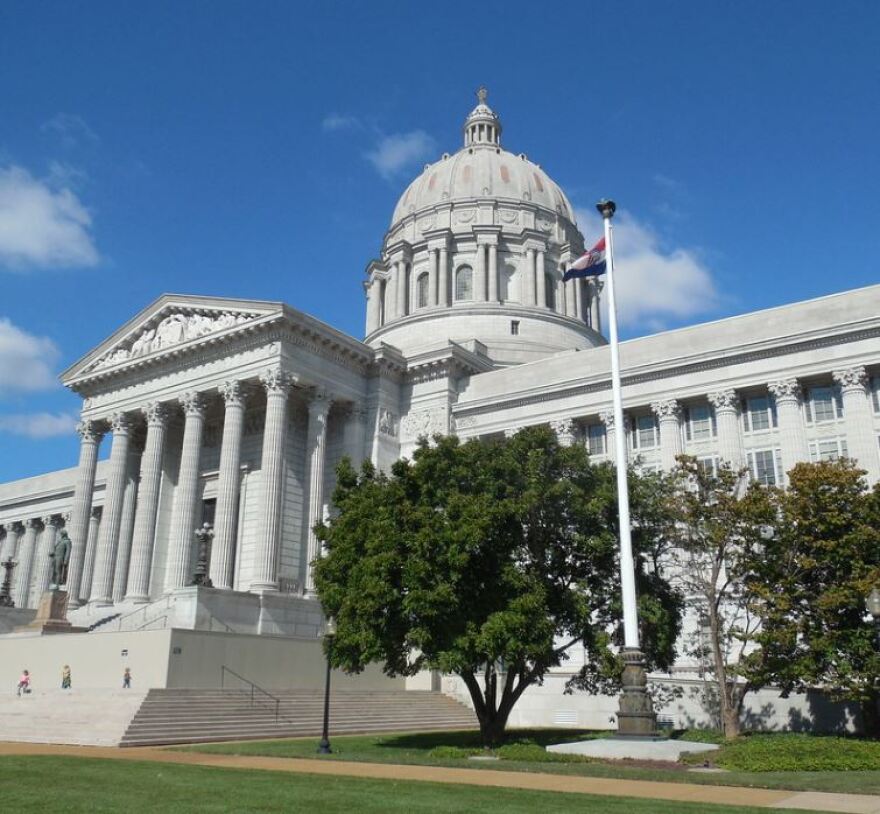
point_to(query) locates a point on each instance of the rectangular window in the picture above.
(764, 466)
(824, 404)
(708, 466)
(514, 327)
(700, 423)
(828, 449)
(759, 413)
(645, 432)
(596, 439)
(875, 393)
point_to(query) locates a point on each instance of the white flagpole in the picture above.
(627, 567)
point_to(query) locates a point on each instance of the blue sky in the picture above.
(257, 149)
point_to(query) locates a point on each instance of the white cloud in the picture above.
(42, 224)
(26, 361)
(653, 282)
(339, 121)
(399, 151)
(38, 425)
(71, 129)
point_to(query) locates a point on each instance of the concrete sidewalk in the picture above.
(719, 795)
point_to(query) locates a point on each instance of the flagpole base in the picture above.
(636, 717)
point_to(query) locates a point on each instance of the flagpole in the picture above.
(636, 715)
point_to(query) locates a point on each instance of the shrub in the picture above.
(700, 735)
(798, 753)
(452, 752)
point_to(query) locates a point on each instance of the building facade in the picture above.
(236, 412)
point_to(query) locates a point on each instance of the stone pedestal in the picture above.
(52, 615)
(636, 717)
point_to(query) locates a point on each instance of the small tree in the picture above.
(718, 523)
(487, 559)
(811, 585)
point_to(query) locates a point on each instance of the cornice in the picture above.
(655, 371)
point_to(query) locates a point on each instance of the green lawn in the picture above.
(88, 786)
(527, 755)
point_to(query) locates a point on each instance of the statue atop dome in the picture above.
(482, 94)
(482, 127)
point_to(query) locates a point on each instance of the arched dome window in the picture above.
(464, 283)
(422, 291)
(550, 291)
(509, 284)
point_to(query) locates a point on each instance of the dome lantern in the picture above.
(482, 127)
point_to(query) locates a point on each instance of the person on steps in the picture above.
(24, 683)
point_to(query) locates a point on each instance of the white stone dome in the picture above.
(482, 169)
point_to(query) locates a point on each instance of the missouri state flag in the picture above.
(589, 264)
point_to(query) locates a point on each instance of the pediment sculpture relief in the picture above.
(172, 330)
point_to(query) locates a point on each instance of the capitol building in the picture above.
(236, 413)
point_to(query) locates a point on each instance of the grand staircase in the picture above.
(197, 716)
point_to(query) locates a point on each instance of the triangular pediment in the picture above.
(169, 324)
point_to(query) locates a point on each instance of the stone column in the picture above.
(571, 298)
(443, 278)
(114, 495)
(528, 287)
(595, 311)
(480, 274)
(90, 440)
(433, 274)
(143, 537)
(91, 548)
(730, 446)
(374, 294)
(10, 541)
(401, 288)
(228, 486)
(390, 296)
(541, 278)
(493, 273)
(22, 572)
(566, 431)
(668, 414)
(561, 303)
(265, 571)
(789, 415)
(580, 312)
(178, 571)
(43, 569)
(319, 408)
(126, 525)
(858, 421)
(607, 418)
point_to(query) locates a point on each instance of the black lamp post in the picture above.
(6, 588)
(329, 633)
(204, 537)
(874, 610)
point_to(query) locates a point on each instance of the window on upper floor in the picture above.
(645, 432)
(708, 465)
(875, 393)
(765, 466)
(514, 327)
(422, 291)
(464, 283)
(759, 413)
(828, 449)
(823, 404)
(596, 440)
(699, 423)
(549, 291)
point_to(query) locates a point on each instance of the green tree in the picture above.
(487, 559)
(718, 523)
(811, 583)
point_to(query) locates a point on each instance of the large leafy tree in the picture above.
(488, 559)
(811, 582)
(719, 526)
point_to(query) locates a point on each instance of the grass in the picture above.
(90, 786)
(525, 753)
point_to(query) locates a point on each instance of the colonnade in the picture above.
(28, 543)
(114, 558)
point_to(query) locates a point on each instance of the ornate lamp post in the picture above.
(329, 633)
(204, 536)
(5, 595)
(873, 600)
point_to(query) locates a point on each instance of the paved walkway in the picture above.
(721, 795)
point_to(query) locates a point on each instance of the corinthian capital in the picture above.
(319, 403)
(564, 428)
(785, 390)
(90, 431)
(156, 414)
(666, 409)
(120, 423)
(607, 418)
(233, 393)
(853, 378)
(276, 381)
(724, 400)
(193, 403)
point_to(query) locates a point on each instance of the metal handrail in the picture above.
(143, 610)
(253, 687)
